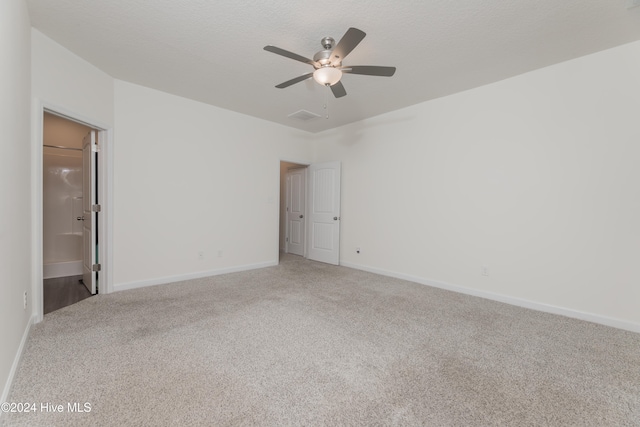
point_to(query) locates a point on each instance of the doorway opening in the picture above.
(63, 192)
(68, 235)
(310, 210)
(292, 208)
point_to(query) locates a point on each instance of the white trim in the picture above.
(547, 308)
(16, 362)
(105, 281)
(287, 190)
(37, 292)
(105, 181)
(190, 276)
(307, 208)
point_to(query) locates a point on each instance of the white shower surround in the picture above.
(62, 205)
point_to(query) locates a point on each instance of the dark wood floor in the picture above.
(63, 291)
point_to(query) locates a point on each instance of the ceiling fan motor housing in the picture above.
(324, 58)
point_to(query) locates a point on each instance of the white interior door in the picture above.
(324, 212)
(295, 211)
(89, 152)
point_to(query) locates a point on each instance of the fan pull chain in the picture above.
(326, 101)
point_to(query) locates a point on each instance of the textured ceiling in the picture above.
(211, 51)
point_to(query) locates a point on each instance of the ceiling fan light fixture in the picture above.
(327, 75)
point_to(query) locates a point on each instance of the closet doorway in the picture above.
(310, 210)
(292, 208)
(64, 190)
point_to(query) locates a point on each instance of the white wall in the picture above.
(63, 79)
(15, 199)
(535, 177)
(190, 178)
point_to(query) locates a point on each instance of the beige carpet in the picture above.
(305, 343)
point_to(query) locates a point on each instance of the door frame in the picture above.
(105, 191)
(90, 156)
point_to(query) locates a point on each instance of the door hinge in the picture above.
(95, 148)
(96, 208)
(96, 267)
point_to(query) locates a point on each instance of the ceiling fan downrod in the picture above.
(328, 43)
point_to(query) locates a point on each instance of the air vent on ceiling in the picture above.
(304, 115)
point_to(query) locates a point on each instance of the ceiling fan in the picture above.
(327, 63)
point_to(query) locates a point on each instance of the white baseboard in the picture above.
(16, 362)
(590, 317)
(190, 276)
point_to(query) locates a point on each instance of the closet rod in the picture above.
(62, 148)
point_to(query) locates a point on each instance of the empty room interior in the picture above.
(342, 213)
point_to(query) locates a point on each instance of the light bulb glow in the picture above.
(327, 75)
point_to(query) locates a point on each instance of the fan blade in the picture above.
(338, 90)
(294, 81)
(370, 70)
(290, 55)
(347, 43)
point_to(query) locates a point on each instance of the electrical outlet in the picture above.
(25, 300)
(357, 250)
(485, 270)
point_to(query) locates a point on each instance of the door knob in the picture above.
(335, 218)
(301, 216)
(80, 218)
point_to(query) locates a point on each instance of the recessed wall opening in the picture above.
(292, 208)
(69, 161)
